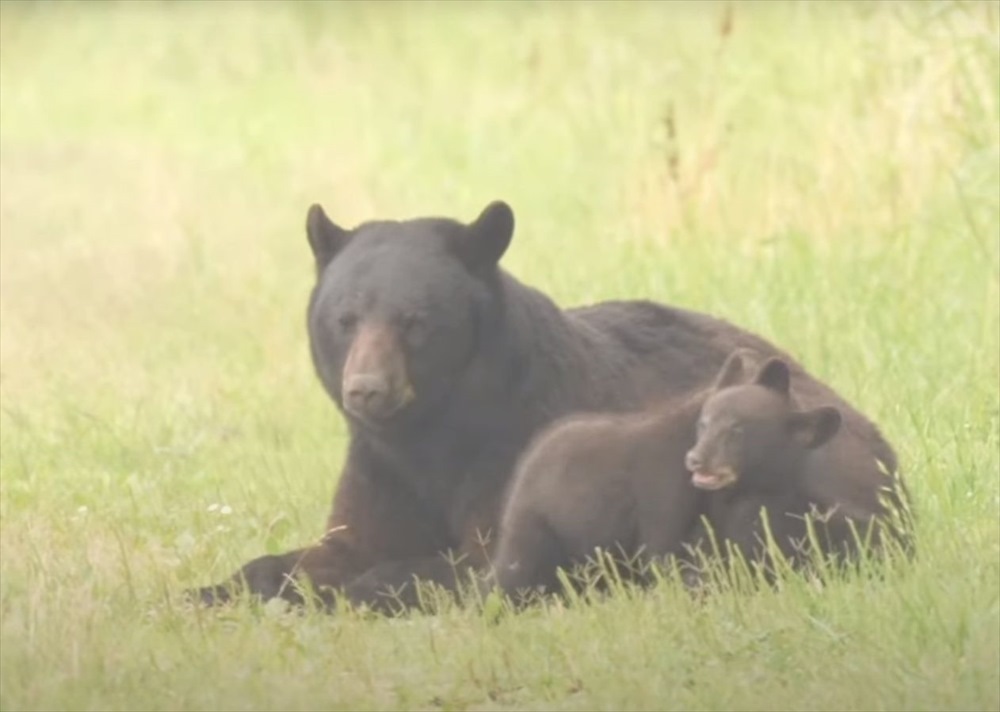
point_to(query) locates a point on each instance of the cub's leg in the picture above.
(528, 554)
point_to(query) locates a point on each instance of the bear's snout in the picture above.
(375, 383)
(709, 472)
(366, 394)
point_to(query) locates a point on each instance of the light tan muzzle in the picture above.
(375, 380)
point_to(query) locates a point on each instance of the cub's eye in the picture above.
(736, 430)
(347, 321)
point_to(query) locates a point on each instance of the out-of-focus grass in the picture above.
(827, 175)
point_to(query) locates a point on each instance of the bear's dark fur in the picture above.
(444, 367)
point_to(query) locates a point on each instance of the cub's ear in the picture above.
(734, 370)
(487, 237)
(325, 237)
(813, 428)
(775, 376)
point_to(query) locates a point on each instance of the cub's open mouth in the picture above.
(713, 480)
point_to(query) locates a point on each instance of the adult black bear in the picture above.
(444, 367)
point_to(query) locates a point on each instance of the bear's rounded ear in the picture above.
(775, 376)
(813, 428)
(734, 369)
(325, 237)
(488, 236)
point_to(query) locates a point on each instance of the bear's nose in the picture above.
(693, 461)
(365, 393)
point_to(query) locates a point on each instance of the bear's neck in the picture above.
(537, 351)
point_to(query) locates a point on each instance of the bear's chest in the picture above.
(445, 471)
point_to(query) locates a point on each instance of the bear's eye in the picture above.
(347, 321)
(412, 324)
(702, 424)
(736, 429)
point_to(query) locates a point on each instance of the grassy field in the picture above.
(827, 175)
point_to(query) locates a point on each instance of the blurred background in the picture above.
(158, 158)
(825, 174)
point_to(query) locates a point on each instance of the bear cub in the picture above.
(637, 484)
(752, 450)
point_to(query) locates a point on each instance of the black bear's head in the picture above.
(752, 433)
(396, 315)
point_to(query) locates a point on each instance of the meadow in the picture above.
(824, 174)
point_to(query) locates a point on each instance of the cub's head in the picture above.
(750, 432)
(399, 308)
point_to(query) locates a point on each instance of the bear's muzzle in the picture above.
(375, 383)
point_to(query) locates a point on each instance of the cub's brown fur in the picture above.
(613, 481)
(754, 447)
(637, 484)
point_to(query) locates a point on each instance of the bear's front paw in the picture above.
(269, 577)
(265, 578)
(210, 595)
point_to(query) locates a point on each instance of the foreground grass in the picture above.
(826, 175)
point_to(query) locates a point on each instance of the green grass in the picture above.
(829, 178)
